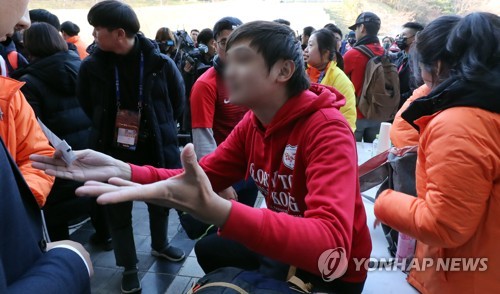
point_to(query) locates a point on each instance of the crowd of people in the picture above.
(267, 112)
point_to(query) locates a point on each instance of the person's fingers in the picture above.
(95, 190)
(189, 160)
(61, 173)
(121, 182)
(134, 193)
(44, 162)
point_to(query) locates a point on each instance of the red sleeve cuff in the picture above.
(141, 174)
(243, 224)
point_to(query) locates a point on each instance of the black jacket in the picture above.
(164, 98)
(51, 91)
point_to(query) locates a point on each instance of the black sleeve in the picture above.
(32, 95)
(176, 88)
(83, 89)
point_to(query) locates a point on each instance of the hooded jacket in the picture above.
(23, 136)
(335, 77)
(51, 90)
(304, 163)
(456, 212)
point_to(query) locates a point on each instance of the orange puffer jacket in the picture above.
(402, 133)
(456, 213)
(23, 136)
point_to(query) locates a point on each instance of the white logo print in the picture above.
(226, 101)
(289, 156)
(332, 264)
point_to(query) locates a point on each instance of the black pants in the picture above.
(120, 221)
(214, 252)
(63, 206)
(367, 130)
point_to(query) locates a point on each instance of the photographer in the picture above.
(166, 41)
(206, 46)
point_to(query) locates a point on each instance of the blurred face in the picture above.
(212, 48)
(360, 31)
(220, 42)
(426, 76)
(13, 15)
(338, 40)
(409, 34)
(313, 55)
(386, 42)
(106, 40)
(194, 36)
(247, 77)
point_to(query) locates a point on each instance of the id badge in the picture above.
(127, 129)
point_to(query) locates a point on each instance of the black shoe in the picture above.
(170, 253)
(104, 242)
(130, 282)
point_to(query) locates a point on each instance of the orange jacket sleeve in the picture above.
(26, 138)
(454, 182)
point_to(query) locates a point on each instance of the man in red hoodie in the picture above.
(366, 29)
(294, 143)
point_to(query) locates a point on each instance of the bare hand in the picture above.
(188, 67)
(190, 191)
(229, 194)
(79, 248)
(376, 223)
(89, 165)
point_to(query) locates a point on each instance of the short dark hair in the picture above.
(275, 42)
(69, 28)
(226, 23)
(205, 36)
(112, 15)
(431, 46)
(42, 15)
(371, 28)
(417, 27)
(194, 30)
(333, 28)
(43, 40)
(308, 31)
(282, 21)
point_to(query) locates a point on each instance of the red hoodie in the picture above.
(305, 164)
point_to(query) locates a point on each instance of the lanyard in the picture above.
(141, 84)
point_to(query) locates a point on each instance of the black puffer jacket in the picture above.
(164, 98)
(51, 90)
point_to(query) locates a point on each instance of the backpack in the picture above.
(380, 97)
(393, 169)
(239, 281)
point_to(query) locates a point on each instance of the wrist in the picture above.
(124, 170)
(220, 210)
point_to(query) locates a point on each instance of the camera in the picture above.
(188, 50)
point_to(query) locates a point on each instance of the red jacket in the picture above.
(355, 66)
(305, 164)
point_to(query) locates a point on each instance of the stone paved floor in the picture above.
(157, 276)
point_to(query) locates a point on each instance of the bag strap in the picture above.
(218, 284)
(297, 282)
(366, 51)
(13, 58)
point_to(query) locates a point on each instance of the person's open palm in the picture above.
(89, 165)
(190, 191)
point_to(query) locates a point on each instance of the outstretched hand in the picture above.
(190, 191)
(89, 166)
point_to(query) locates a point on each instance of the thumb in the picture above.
(189, 160)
